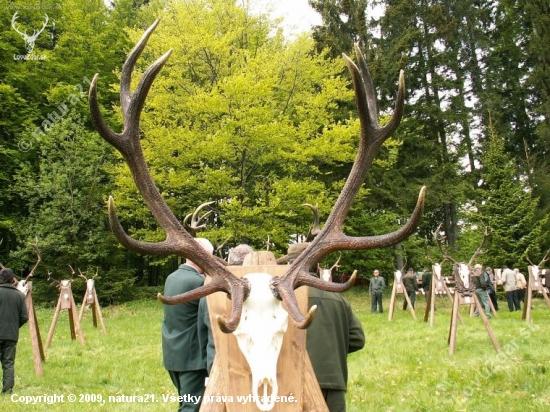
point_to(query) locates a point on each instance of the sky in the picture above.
(297, 14)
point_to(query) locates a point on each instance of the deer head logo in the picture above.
(29, 40)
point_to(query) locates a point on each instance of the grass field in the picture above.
(405, 365)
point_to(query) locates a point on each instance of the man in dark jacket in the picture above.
(13, 315)
(182, 354)
(376, 288)
(411, 286)
(334, 333)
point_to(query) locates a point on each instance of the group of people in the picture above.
(377, 285)
(484, 282)
(188, 347)
(514, 284)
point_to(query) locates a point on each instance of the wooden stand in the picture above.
(534, 284)
(90, 298)
(438, 287)
(468, 300)
(66, 301)
(399, 289)
(36, 339)
(230, 375)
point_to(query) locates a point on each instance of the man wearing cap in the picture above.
(334, 333)
(13, 315)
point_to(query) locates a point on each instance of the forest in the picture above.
(260, 124)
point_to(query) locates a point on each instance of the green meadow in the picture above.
(405, 365)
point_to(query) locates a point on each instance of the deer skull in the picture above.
(260, 337)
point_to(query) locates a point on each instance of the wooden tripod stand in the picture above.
(534, 284)
(66, 302)
(36, 339)
(91, 300)
(438, 287)
(465, 295)
(399, 289)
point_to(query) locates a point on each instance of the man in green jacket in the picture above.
(334, 332)
(13, 315)
(182, 354)
(376, 287)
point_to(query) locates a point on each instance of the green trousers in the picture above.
(190, 385)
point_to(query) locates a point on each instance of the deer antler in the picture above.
(38, 258)
(331, 237)
(178, 241)
(13, 20)
(314, 231)
(479, 250)
(544, 259)
(195, 225)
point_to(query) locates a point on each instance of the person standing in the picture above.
(426, 280)
(481, 289)
(521, 285)
(377, 285)
(411, 286)
(13, 315)
(490, 277)
(334, 333)
(509, 283)
(181, 351)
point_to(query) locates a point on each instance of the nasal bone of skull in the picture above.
(260, 337)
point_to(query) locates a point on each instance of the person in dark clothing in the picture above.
(13, 315)
(182, 354)
(490, 278)
(411, 286)
(376, 288)
(334, 333)
(426, 280)
(481, 290)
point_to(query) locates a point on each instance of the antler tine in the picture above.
(72, 272)
(81, 275)
(331, 237)
(479, 250)
(192, 221)
(336, 265)
(178, 241)
(314, 231)
(96, 273)
(38, 258)
(545, 258)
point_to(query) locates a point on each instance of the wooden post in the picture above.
(534, 284)
(36, 339)
(453, 328)
(438, 287)
(66, 302)
(399, 288)
(90, 298)
(230, 375)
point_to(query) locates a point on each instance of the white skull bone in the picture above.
(260, 337)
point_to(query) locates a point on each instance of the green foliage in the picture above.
(508, 208)
(66, 201)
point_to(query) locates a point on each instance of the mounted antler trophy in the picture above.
(534, 284)
(465, 295)
(25, 286)
(66, 302)
(90, 300)
(255, 293)
(438, 285)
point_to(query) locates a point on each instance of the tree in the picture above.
(66, 202)
(508, 208)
